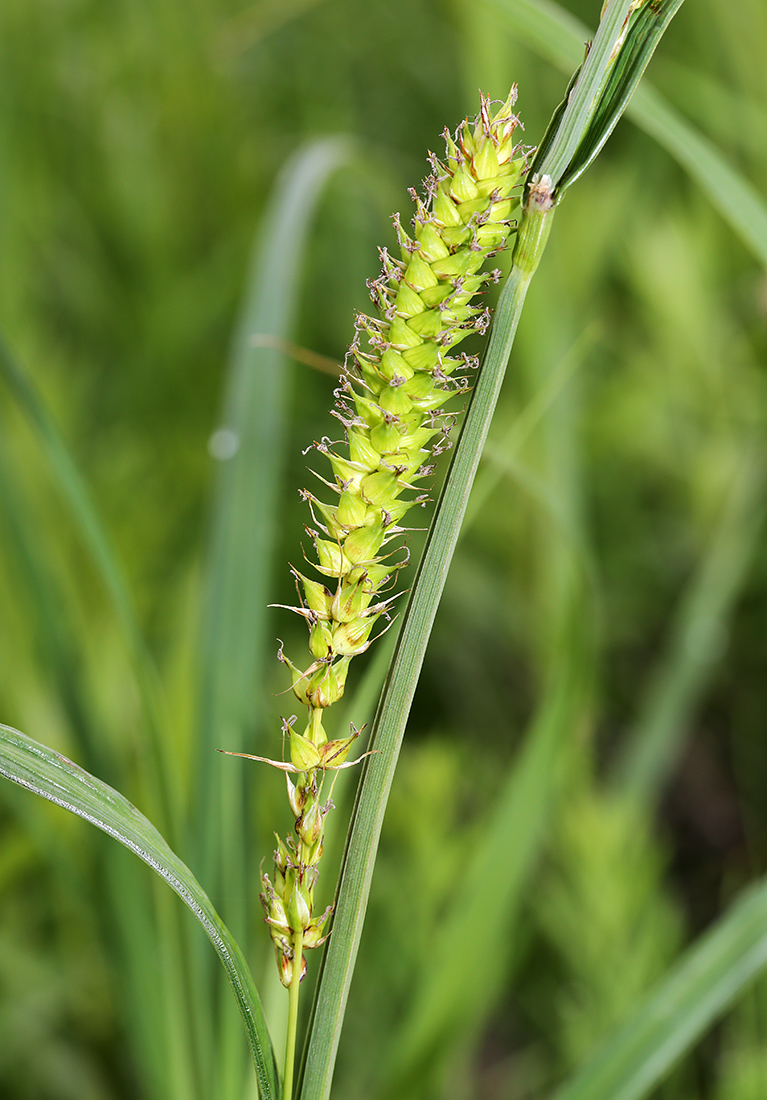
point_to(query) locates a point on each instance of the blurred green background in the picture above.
(599, 658)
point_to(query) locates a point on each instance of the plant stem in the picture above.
(290, 1045)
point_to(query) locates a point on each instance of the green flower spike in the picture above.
(400, 371)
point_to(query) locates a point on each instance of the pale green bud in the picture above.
(352, 638)
(462, 186)
(419, 274)
(424, 357)
(285, 963)
(408, 302)
(379, 488)
(281, 854)
(313, 935)
(303, 754)
(333, 562)
(433, 295)
(368, 410)
(395, 400)
(472, 207)
(309, 826)
(336, 752)
(401, 336)
(485, 161)
(386, 438)
(373, 573)
(457, 236)
(299, 910)
(298, 680)
(432, 246)
(320, 639)
(362, 452)
(398, 509)
(394, 365)
(422, 390)
(363, 544)
(428, 324)
(414, 441)
(352, 599)
(464, 262)
(490, 235)
(445, 210)
(326, 685)
(316, 595)
(296, 797)
(328, 513)
(348, 472)
(351, 509)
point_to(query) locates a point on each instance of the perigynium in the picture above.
(401, 371)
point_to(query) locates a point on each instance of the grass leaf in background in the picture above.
(95, 539)
(249, 445)
(686, 1002)
(463, 974)
(49, 774)
(651, 750)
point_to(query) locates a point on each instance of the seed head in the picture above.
(401, 370)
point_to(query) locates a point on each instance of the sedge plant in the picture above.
(393, 404)
(402, 370)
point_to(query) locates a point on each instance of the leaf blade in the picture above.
(243, 533)
(559, 37)
(45, 772)
(722, 963)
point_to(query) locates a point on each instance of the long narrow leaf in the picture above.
(456, 984)
(685, 1004)
(559, 37)
(653, 745)
(250, 444)
(246, 500)
(95, 539)
(52, 776)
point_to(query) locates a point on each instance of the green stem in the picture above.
(290, 1045)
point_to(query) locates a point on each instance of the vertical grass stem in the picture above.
(290, 1044)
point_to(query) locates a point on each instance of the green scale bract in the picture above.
(400, 371)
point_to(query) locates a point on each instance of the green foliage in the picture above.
(582, 790)
(57, 779)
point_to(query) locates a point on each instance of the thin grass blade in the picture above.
(721, 965)
(559, 37)
(244, 524)
(653, 745)
(736, 199)
(47, 773)
(95, 539)
(457, 984)
(250, 444)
